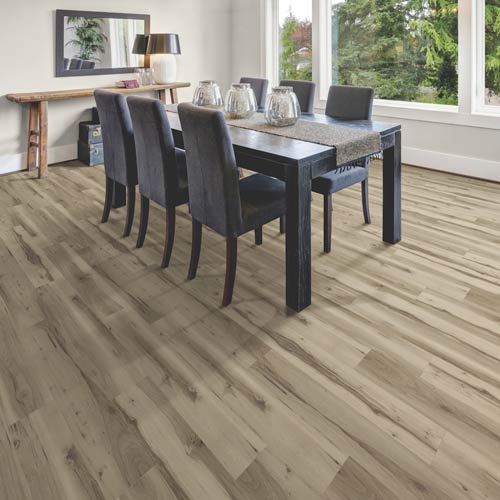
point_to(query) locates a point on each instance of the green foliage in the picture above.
(406, 49)
(296, 49)
(88, 37)
(492, 47)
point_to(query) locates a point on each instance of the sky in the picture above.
(301, 8)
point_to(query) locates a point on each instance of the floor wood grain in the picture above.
(123, 381)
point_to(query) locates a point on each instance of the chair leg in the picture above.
(283, 224)
(130, 211)
(108, 200)
(169, 237)
(258, 236)
(327, 223)
(366, 204)
(143, 224)
(195, 249)
(231, 259)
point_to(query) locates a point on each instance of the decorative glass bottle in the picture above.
(208, 94)
(282, 107)
(240, 101)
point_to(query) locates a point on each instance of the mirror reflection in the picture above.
(100, 43)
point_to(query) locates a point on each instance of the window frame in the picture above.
(470, 111)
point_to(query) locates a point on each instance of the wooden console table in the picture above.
(38, 117)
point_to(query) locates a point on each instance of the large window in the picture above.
(406, 49)
(295, 34)
(442, 56)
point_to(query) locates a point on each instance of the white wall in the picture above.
(463, 146)
(27, 47)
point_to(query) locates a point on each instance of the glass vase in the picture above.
(282, 107)
(240, 101)
(208, 94)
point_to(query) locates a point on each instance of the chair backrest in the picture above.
(305, 92)
(155, 149)
(259, 86)
(88, 65)
(120, 162)
(347, 102)
(75, 63)
(213, 178)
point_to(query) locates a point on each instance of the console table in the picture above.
(38, 115)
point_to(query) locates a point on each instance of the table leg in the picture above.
(33, 136)
(173, 96)
(162, 95)
(298, 238)
(119, 195)
(392, 192)
(43, 138)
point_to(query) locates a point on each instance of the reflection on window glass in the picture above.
(492, 52)
(406, 49)
(295, 18)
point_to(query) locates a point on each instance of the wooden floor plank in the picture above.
(120, 380)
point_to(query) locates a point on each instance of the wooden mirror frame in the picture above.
(59, 63)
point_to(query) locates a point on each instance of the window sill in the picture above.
(433, 113)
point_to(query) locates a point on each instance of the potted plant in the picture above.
(88, 37)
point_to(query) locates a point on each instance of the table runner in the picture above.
(350, 143)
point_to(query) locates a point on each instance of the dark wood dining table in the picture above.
(298, 162)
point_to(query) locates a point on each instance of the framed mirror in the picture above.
(98, 43)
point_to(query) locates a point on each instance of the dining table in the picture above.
(298, 162)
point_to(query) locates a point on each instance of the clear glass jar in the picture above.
(139, 76)
(147, 76)
(240, 101)
(208, 94)
(282, 107)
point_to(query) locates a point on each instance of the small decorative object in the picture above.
(147, 76)
(208, 95)
(163, 47)
(240, 101)
(139, 76)
(131, 84)
(282, 107)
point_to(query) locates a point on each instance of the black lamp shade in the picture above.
(140, 44)
(163, 43)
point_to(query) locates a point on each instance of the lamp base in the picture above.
(164, 68)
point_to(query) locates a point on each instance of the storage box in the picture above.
(90, 132)
(90, 154)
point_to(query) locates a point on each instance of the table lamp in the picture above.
(163, 47)
(140, 45)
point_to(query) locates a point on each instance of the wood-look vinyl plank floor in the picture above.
(123, 381)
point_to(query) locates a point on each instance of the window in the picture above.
(406, 49)
(491, 53)
(437, 59)
(295, 35)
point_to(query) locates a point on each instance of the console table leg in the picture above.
(162, 95)
(33, 136)
(173, 96)
(42, 144)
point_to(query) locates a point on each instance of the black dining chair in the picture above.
(345, 103)
(305, 92)
(259, 86)
(218, 198)
(120, 164)
(161, 167)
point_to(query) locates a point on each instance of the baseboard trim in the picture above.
(17, 162)
(444, 162)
